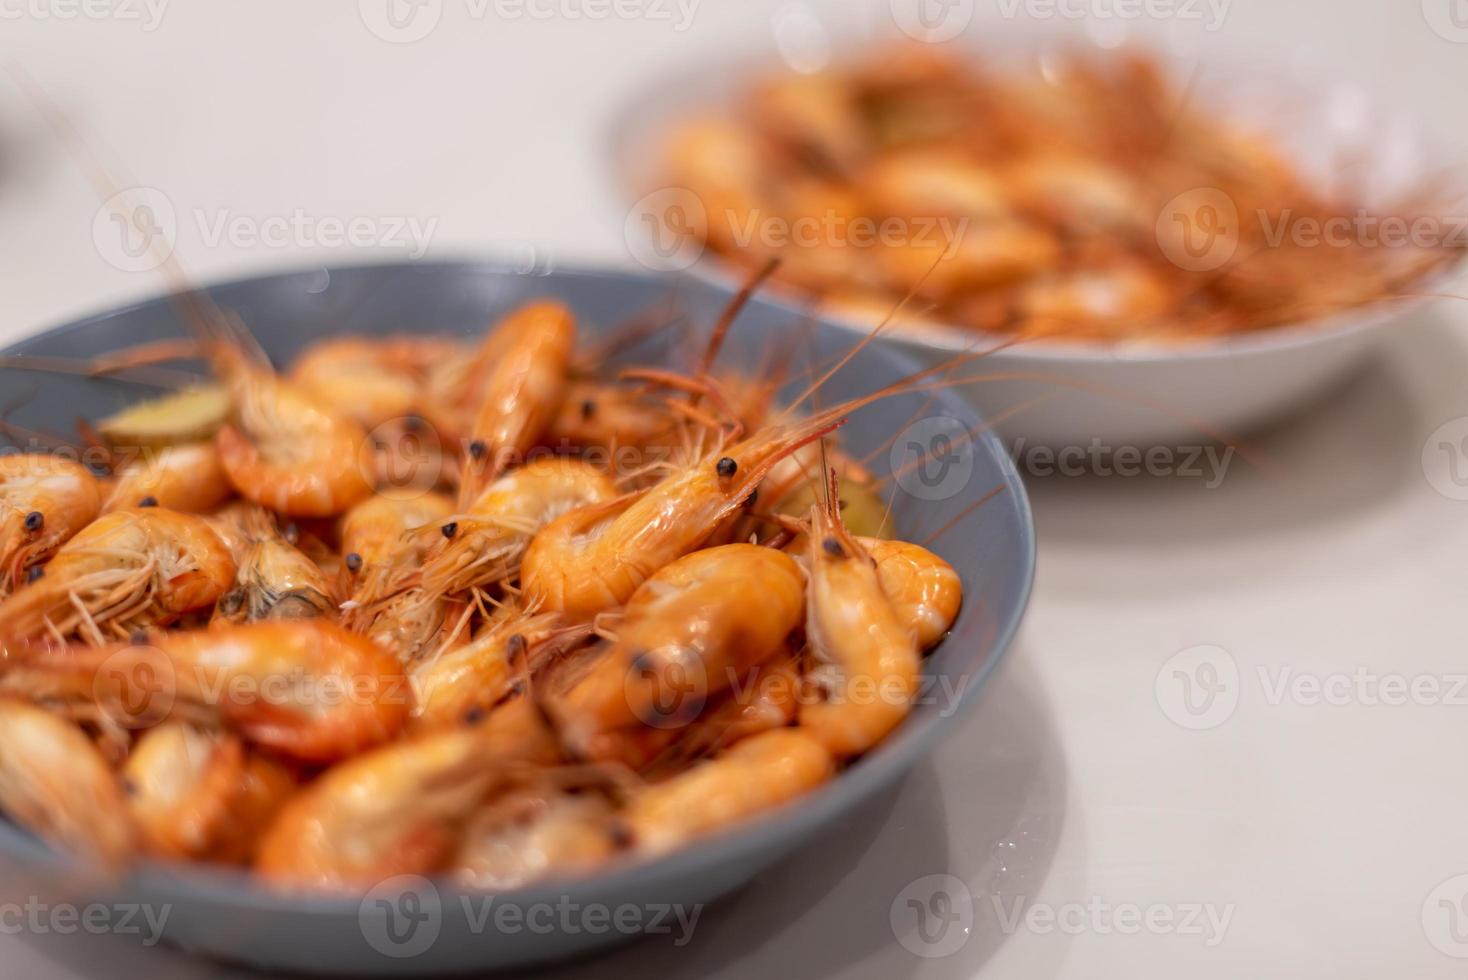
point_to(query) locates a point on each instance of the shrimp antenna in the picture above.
(731, 313)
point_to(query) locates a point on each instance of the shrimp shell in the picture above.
(66, 496)
(54, 782)
(128, 570)
(924, 589)
(750, 777)
(201, 795)
(399, 809)
(188, 477)
(690, 629)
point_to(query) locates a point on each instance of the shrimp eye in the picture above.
(292, 533)
(450, 529)
(129, 788)
(474, 715)
(833, 548)
(621, 835)
(149, 501)
(33, 573)
(354, 561)
(35, 520)
(588, 409)
(727, 467)
(516, 646)
(138, 638)
(412, 423)
(477, 449)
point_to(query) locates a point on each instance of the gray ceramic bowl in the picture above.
(416, 927)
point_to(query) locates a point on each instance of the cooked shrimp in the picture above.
(188, 477)
(531, 834)
(53, 781)
(605, 416)
(867, 657)
(285, 450)
(128, 570)
(371, 380)
(302, 688)
(521, 393)
(274, 580)
(486, 542)
(594, 558)
(44, 500)
(400, 809)
(201, 795)
(471, 679)
(923, 588)
(750, 777)
(688, 633)
(377, 546)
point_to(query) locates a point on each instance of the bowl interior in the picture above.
(1337, 132)
(944, 474)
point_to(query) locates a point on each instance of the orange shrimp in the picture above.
(468, 681)
(197, 794)
(686, 636)
(604, 416)
(522, 393)
(274, 579)
(371, 380)
(44, 500)
(302, 688)
(285, 450)
(377, 544)
(593, 559)
(748, 778)
(532, 834)
(867, 657)
(924, 589)
(187, 477)
(400, 809)
(128, 570)
(53, 781)
(485, 543)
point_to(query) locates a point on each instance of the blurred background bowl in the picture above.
(224, 914)
(1128, 393)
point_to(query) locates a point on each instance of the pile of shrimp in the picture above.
(1087, 201)
(598, 618)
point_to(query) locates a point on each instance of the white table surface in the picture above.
(1321, 830)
